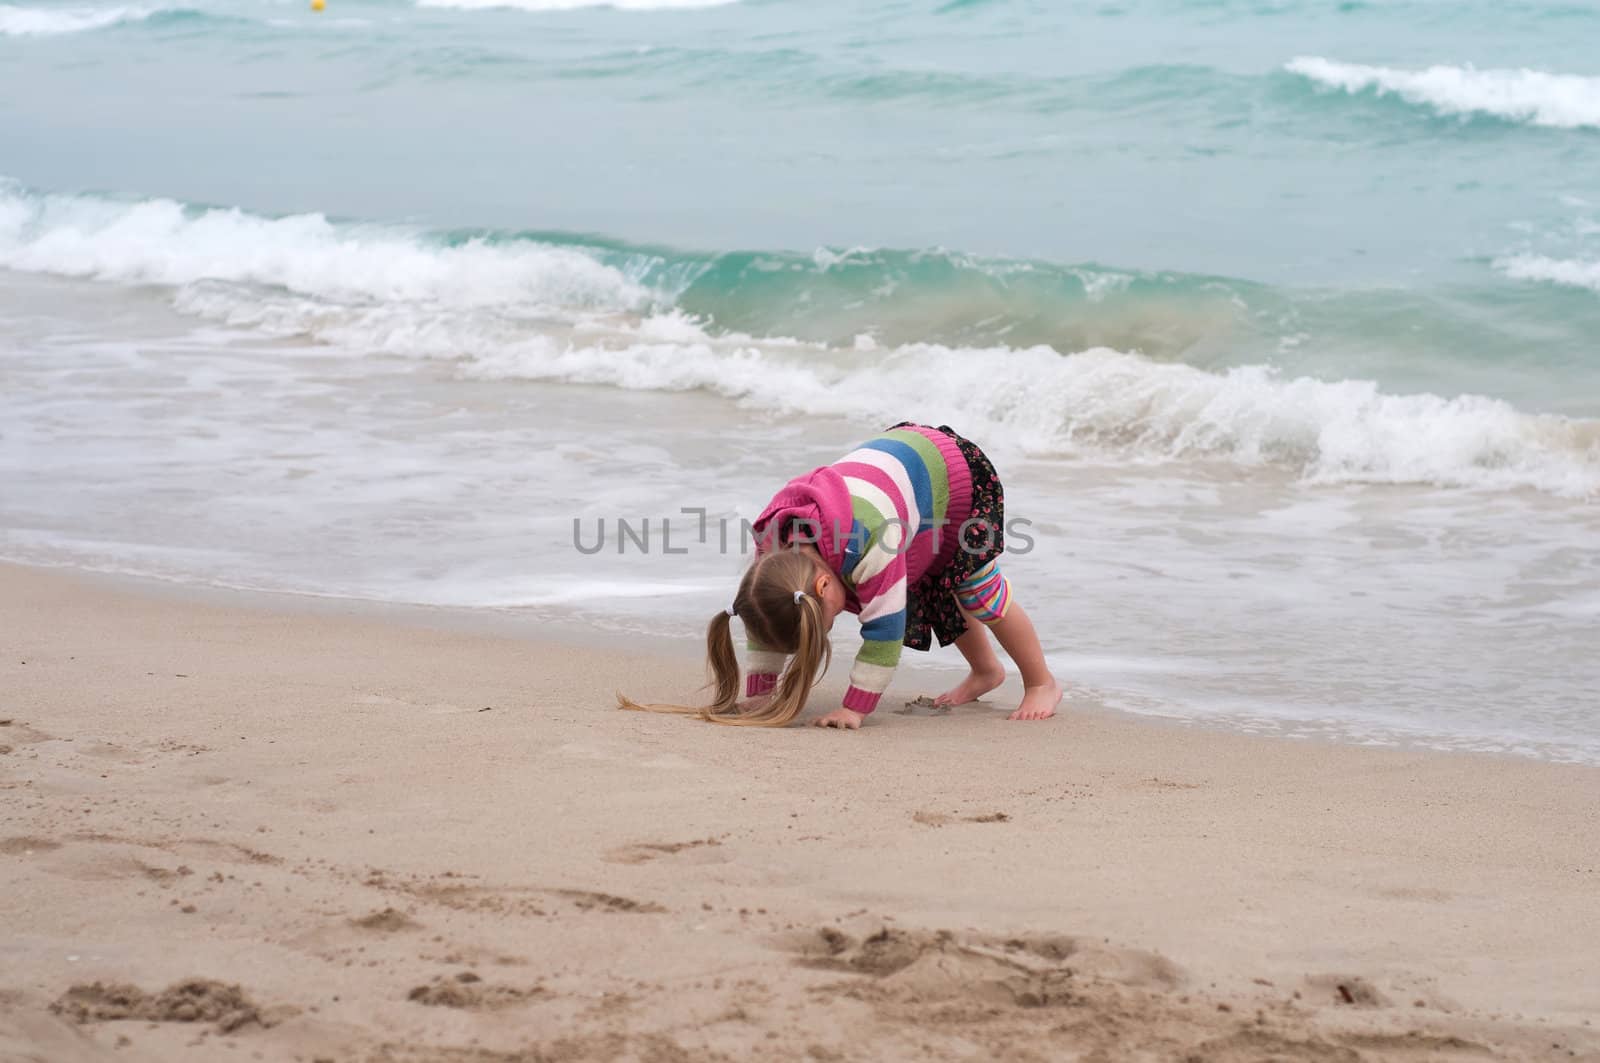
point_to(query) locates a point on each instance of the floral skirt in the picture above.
(931, 608)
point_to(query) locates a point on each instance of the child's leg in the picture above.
(1040, 691)
(987, 671)
(986, 597)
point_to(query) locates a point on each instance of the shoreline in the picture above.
(586, 631)
(336, 809)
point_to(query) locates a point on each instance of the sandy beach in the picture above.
(390, 388)
(364, 837)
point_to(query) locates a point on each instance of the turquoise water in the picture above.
(1278, 316)
(1440, 238)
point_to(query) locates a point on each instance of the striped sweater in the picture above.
(883, 516)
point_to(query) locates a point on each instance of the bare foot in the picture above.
(975, 686)
(1038, 703)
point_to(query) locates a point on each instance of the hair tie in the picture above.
(732, 611)
(798, 595)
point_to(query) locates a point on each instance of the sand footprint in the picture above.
(699, 851)
(1025, 970)
(470, 992)
(25, 845)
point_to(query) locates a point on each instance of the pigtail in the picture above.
(778, 610)
(811, 658)
(806, 665)
(723, 666)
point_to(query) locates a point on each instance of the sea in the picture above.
(1280, 320)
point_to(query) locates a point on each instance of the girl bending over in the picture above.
(905, 531)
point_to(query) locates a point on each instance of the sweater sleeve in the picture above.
(761, 669)
(880, 583)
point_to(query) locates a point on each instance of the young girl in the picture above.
(905, 530)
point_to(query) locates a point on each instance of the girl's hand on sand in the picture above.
(846, 718)
(755, 704)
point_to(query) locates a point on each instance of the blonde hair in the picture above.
(781, 612)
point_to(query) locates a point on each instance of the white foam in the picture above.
(1098, 402)
(162, 242)
(573, 5)
(18, 21)
(1563, 101)
(1103, 401)
(1572, 273)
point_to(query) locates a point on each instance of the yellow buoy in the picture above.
(318, 5)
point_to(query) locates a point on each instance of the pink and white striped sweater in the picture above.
(883, 516)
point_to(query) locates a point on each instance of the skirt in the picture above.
(931, 609)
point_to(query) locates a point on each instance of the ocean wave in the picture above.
(827, 296)
(164, 242)
(18, 21)
(516, 306)
(960, 299)
(573, 5)
(1570, 273)
(1102, 402)
(1098, 403)
(1562, 101)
